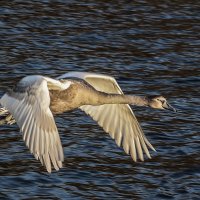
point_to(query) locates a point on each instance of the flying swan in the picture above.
(35, 100)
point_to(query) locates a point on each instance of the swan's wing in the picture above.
(29, 103)
(100, 82)
(116, 119)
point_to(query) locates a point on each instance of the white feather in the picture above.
(116, 119)
(30, 108)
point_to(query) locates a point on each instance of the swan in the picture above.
(35, 100)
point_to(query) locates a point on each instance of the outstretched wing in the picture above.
(116, 119)
(29, 103)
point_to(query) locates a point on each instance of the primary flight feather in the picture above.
(36, 99)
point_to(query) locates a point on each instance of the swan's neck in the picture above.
(122, 99)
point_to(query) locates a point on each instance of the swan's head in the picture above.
(159, 102)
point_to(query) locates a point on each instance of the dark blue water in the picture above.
(150, 47)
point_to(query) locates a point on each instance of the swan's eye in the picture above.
(162, 101)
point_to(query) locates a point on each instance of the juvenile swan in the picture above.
(35, 99)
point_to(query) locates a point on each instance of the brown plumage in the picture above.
(36, 98)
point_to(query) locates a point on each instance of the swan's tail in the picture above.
(6, 117)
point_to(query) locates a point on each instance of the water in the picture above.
(151, 47)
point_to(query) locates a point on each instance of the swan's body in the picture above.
(36, 98)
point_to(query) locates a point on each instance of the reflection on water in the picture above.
(151, 47)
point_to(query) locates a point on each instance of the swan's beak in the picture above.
(167, 106)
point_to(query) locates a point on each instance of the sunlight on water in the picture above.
(150, 47)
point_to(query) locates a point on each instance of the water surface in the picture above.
(150, 47)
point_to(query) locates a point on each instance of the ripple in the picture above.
(151, 48)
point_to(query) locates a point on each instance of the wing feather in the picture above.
(118, 120)
(29, 104)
